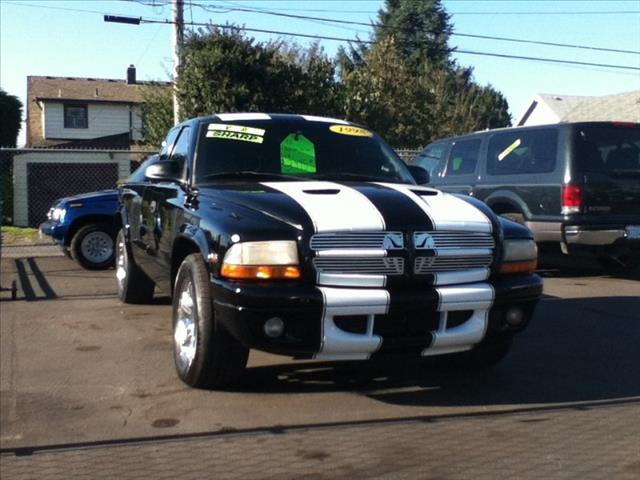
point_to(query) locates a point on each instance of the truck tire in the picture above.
(205, 354)
(134, 286)
(92, 246)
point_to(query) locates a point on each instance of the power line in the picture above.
(467, 35)
(341, 39)
(226, 10)
(611, 12)
(352, 40)
(548, 12)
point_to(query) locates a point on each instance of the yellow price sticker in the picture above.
(509, 149)
(349, 130)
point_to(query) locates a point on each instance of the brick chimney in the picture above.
(131, 75)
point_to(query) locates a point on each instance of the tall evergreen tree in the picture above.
(421, 30)
(420, 92)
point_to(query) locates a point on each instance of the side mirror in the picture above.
(163, 170)
(420, 175)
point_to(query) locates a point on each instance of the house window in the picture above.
(75, 116)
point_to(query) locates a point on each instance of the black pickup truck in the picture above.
(308, 237)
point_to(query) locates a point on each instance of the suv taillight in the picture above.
(571, 199)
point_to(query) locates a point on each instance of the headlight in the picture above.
(519, 256)
(262, 260)
(58, 214)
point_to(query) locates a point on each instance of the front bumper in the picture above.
(357, 323)
(55, 230)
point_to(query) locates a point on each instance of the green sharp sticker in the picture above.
(297, 155)
(509, 149)
(457, 163)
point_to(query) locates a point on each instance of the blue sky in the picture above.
(49, 37)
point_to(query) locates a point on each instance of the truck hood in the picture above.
(101, 196)
(323, 206)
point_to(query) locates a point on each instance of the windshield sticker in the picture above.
(349, 130)
(297, 154)
(236, 128)
(228, 135)
(509, 149)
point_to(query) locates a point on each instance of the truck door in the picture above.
(142, 227)
(159, 214)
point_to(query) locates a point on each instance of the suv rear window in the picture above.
(607, 148)
(522, 152)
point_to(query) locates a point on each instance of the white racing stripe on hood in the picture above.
(446, 212)
(229, 117)
(313, 118)
(333, 207)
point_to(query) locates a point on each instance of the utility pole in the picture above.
(178, 41)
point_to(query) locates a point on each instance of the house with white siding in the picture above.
(86, 112)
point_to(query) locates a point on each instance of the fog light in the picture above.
(514, 316)
(274, 327)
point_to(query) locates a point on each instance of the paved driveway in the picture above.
(89, 391)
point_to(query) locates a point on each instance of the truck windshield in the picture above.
(612, 148)
(295, 150)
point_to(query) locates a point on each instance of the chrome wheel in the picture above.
(185, 334)
(97, 247)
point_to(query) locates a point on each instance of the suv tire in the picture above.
(206, 354)
(134, 286)
(514, 217)
(92, 246)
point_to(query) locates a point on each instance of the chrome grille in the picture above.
(457, 240)
(355, 265)
(425, 265)
(342, 256)
(358, 240)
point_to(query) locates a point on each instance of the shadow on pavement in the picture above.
(555, 264)
(576, 350)
(30, 294)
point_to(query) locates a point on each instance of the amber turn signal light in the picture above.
(260, 272)
(527, 266)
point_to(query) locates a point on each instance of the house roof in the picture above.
(88, 89)
(623, 107)
(561, 105)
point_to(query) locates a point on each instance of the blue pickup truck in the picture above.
(84, 225)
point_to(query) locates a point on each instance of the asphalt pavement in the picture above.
(88, 390)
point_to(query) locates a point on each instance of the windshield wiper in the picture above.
(352, 176)
(248, 174)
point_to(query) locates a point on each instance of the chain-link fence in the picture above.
(32, 179)
(408, 155)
